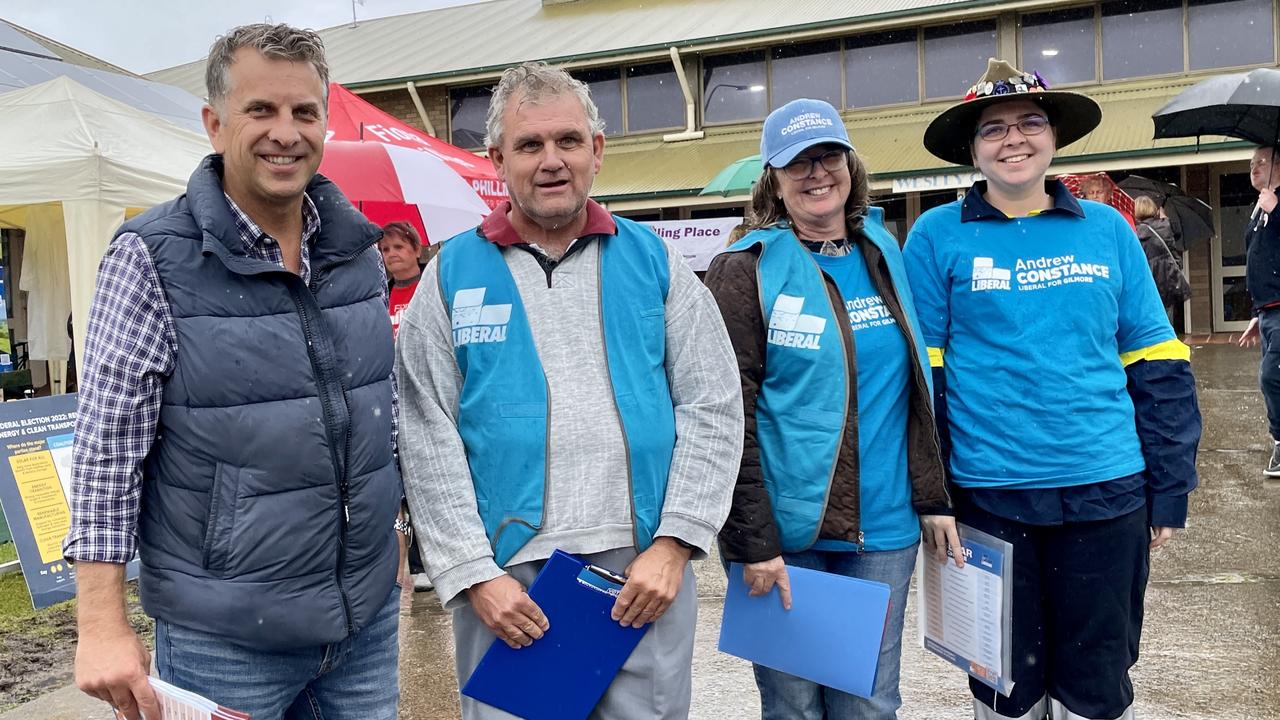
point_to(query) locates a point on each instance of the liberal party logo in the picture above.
(986, 276)
(475, 322)
(789, 327)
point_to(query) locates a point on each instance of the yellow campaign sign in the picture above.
(46, 505)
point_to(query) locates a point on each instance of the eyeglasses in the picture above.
(802, 167)
(1029, 125)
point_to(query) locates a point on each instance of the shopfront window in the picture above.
(1142, 37)
(1060, 45)
(606, 91)
(882, 69)
(654, 98)
(1228, 33)
(1236, 198)
(895, 214)
(810, 70)
(468, 107)
(733, 87)
(954, 55)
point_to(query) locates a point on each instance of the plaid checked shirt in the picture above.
(129, 351)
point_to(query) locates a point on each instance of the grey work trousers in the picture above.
(654, 683)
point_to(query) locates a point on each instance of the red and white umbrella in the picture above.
(388, 182)
(351, 117)
(1116, 196)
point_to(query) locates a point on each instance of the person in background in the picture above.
(1069, 401)
(579, 391)
(1156, 235)
(237, 422)
(1262, 276)
(841, 469)
(1099, 188)
(400, 247)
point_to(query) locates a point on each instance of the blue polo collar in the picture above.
(976, 207)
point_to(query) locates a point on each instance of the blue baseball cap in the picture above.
(797, 126)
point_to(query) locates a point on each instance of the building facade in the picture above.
(683, 88)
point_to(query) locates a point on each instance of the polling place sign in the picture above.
(697, 240)
(35, 485)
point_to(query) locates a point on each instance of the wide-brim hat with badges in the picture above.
(1071, 114)
(798, 126)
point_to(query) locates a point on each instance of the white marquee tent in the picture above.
(73, 165)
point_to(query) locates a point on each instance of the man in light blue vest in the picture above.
(235, 421)
(566, 383)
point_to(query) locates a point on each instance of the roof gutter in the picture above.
(689, 133)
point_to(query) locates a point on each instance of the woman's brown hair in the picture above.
(404, 231)
(767, 208)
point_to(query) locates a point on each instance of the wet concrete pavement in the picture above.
(1211, 644)
(1210, 650)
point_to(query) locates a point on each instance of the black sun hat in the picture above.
(1071, 114)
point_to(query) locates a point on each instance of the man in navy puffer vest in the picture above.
(236, 421)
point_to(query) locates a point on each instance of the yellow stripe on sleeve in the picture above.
(1167, 350)
(935, 356)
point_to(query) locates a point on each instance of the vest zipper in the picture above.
(327, 405)
(613, 392)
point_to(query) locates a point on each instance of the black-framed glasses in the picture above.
(802, 167)
(1029, 125)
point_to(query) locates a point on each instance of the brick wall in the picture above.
(436, 101)
(396, 103)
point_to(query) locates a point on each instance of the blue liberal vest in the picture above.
(270, 491)
(503, 409)
(803, 403)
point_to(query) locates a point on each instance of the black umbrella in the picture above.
(1190, 217)
(1241, 105)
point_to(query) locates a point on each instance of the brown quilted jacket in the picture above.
(750, 534)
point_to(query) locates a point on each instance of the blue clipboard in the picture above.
(831, 635)
(563, 675)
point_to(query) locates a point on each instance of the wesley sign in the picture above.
(926, 183)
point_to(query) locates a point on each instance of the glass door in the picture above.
(1234, 198)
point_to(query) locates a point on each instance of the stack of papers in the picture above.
(179, 704)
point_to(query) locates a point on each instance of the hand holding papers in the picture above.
(964, 612)
(831, 635)
(179, 704)
(564, 674)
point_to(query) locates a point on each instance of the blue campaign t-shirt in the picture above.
(1034, 317)
(884, 370)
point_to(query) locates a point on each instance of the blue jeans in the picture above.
(787, 697)
(356, 679)
(1269, 369)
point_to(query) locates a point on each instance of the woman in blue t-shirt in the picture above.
(1068, 400)
(841, 467)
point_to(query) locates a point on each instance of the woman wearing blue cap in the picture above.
(1069, 401)
(841, 467)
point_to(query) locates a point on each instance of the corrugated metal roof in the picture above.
(890, 143)
(27, 58)
(504, 32)
(16, 37)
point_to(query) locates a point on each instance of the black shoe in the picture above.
(1273, 467)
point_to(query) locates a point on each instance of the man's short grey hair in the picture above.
(537, 83)
(276, 42)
